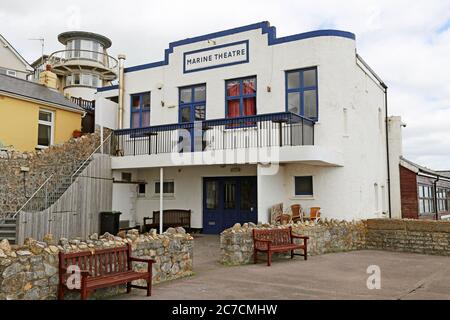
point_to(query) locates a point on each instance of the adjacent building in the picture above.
(34, 116)
(11, 62)
(425, 193)
(234, 122)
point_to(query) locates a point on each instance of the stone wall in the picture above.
(236, 244)
(418, 236)
(62, 159)
(415, 236)
(30, 272)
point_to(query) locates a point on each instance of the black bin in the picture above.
(109, 222)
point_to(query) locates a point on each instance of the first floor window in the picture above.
(168, 187)
(426, 199)
(301, 92)
(45, 128)
(241, 97)
(140, 110)
(304, 186)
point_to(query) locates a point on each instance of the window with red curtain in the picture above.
(241, 97)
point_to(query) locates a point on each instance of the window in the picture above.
(241, 97)
(11, 73)
(192, 103)
(141, 189)
(85, 79)
(426, 199)
(126, 176)
(442, 199)
(304, 186)
(45, 128)
(301, 92)
(140, 110)
(168, 187)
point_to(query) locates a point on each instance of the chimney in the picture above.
(48, 78)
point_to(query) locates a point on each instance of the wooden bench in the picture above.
(171, 218)
(103, 268)
(277, 240)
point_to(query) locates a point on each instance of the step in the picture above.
(7, 225)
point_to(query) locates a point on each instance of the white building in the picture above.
(297, 119)
(11, 62)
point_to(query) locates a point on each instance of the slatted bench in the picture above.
(277, 240)
(172, 218)
(102, 268)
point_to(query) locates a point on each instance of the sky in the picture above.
(406, 42)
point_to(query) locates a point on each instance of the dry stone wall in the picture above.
(30, 272)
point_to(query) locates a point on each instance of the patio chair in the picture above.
(314, 214)
(297, 213)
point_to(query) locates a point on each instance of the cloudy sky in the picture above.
(406, 42)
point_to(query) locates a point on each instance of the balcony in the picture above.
(76, 60)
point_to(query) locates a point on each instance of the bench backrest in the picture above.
(173, 216)
(277, 236)
(100, 262)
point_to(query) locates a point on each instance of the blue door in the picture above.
(228, 200)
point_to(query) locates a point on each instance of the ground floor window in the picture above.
(304, 186)
(45, 128)
(426, 199)
(168, 188)
(442, 202)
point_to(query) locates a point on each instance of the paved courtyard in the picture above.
(330, 276)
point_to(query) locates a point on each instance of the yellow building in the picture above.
(33, 116)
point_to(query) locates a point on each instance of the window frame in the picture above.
(165, 194)
(430, 199)
(241, 96)
(442, 199)
(51, 124)
(140, 110)
(192, 104)
(304, 194)
(301, 90)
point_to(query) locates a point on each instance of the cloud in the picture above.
(406, 42)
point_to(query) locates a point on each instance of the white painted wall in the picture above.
(106, 113)
(10, 61)
(395, 152)
(351, 115)
(81, 92)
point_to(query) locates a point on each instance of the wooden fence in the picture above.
(76, 213)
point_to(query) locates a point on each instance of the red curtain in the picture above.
(249, 107)
(233, 105)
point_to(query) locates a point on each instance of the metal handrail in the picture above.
(32, 196)
(90, 156)
(60, 57)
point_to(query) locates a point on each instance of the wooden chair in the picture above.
(314, 214)
(296, 212)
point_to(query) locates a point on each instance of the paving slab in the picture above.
(330, 276)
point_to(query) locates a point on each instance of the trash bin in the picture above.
(109, 222)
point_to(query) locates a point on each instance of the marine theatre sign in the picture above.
(215, 57)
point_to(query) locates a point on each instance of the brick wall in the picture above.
(408, 191)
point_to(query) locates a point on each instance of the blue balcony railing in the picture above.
(265, 130)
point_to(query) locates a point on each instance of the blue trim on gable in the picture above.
(101, 89)
(264, 26)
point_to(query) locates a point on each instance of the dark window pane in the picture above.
(186, 95)
(212, 195)
(45, 116)
(44, 135)
(229, 195)
(293, 79)
(294, 102)
(200, 93)
(304, 185)
(126, 176)
(146, 100)
(310, 104)
(168, 187)
(199, 113)
(309, 78)
(186, 114)
(135, 102)
(247, 195)
(142, 188)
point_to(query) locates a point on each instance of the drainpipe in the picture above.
(121, 58)
(387, 150)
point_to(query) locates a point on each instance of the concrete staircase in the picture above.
(8, 230)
